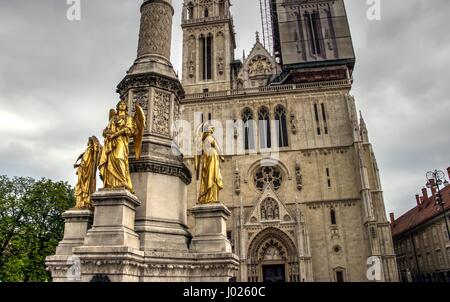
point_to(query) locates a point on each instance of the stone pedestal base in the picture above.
(65, 266)
(114, 219)
(189, 267)
(161, 219)
(210, 229)
(111, 247)
(76, 225)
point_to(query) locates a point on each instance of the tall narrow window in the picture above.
(312, 21)
(264, 128)
(328, 178)
(206, 46)
(316, 114)
(190, 11)
(247, 118)
(333, 217)
(206, 13)
(317, 32)
(209, 116)
(222, 7)
(324, 116)
(209, 48)
(280, 120)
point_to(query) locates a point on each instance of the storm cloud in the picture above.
(58, 79)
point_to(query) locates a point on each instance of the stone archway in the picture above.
(273, 257)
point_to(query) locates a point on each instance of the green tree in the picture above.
(30, 225)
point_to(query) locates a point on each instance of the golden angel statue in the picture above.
(113, 165)
(86, 166)
(207, 166)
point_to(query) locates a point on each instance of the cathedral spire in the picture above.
(363, 129)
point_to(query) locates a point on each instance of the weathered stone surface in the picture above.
(114, 219)
(210, 229)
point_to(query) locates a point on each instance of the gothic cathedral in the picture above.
(301, 178)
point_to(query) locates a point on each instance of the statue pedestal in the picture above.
(114, 219)
(64, 266)
(161, 219)
(111, 247)
(210, 229)
(77, 224)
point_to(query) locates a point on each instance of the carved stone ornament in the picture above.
(298, 176)
(293, 123)
(140, 98)
(259, 65)
(237, 182)
(161, 113)
(220, 68)
(154, 35)
(191, 69)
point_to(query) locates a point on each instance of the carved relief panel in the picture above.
(161, 113)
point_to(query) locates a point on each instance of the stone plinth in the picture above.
(64, 265)
(111, 247)
(77, 223)
(115, 211)
(189, 267)
(161, 219)
(210, 229)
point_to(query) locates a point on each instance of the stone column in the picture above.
(159, 176)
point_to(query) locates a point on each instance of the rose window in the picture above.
(265, 176)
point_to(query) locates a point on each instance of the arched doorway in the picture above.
(273, 257)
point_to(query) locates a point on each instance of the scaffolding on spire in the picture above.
(267, 27)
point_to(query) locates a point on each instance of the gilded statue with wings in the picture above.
(113, 166)
(207, 166)
(86, 166)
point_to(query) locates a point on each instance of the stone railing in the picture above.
(204, 20)
(269, 89)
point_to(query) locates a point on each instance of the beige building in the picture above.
(301, 178)
(421, 239)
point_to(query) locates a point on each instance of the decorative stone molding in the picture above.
(150, 80)
(160, 168)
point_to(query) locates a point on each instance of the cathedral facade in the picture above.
(300, 176)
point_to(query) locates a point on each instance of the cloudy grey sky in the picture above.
(58, 79)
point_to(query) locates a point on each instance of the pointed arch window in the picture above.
(280, 119)
(206, 12)
(247, 118)
(264, 128)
